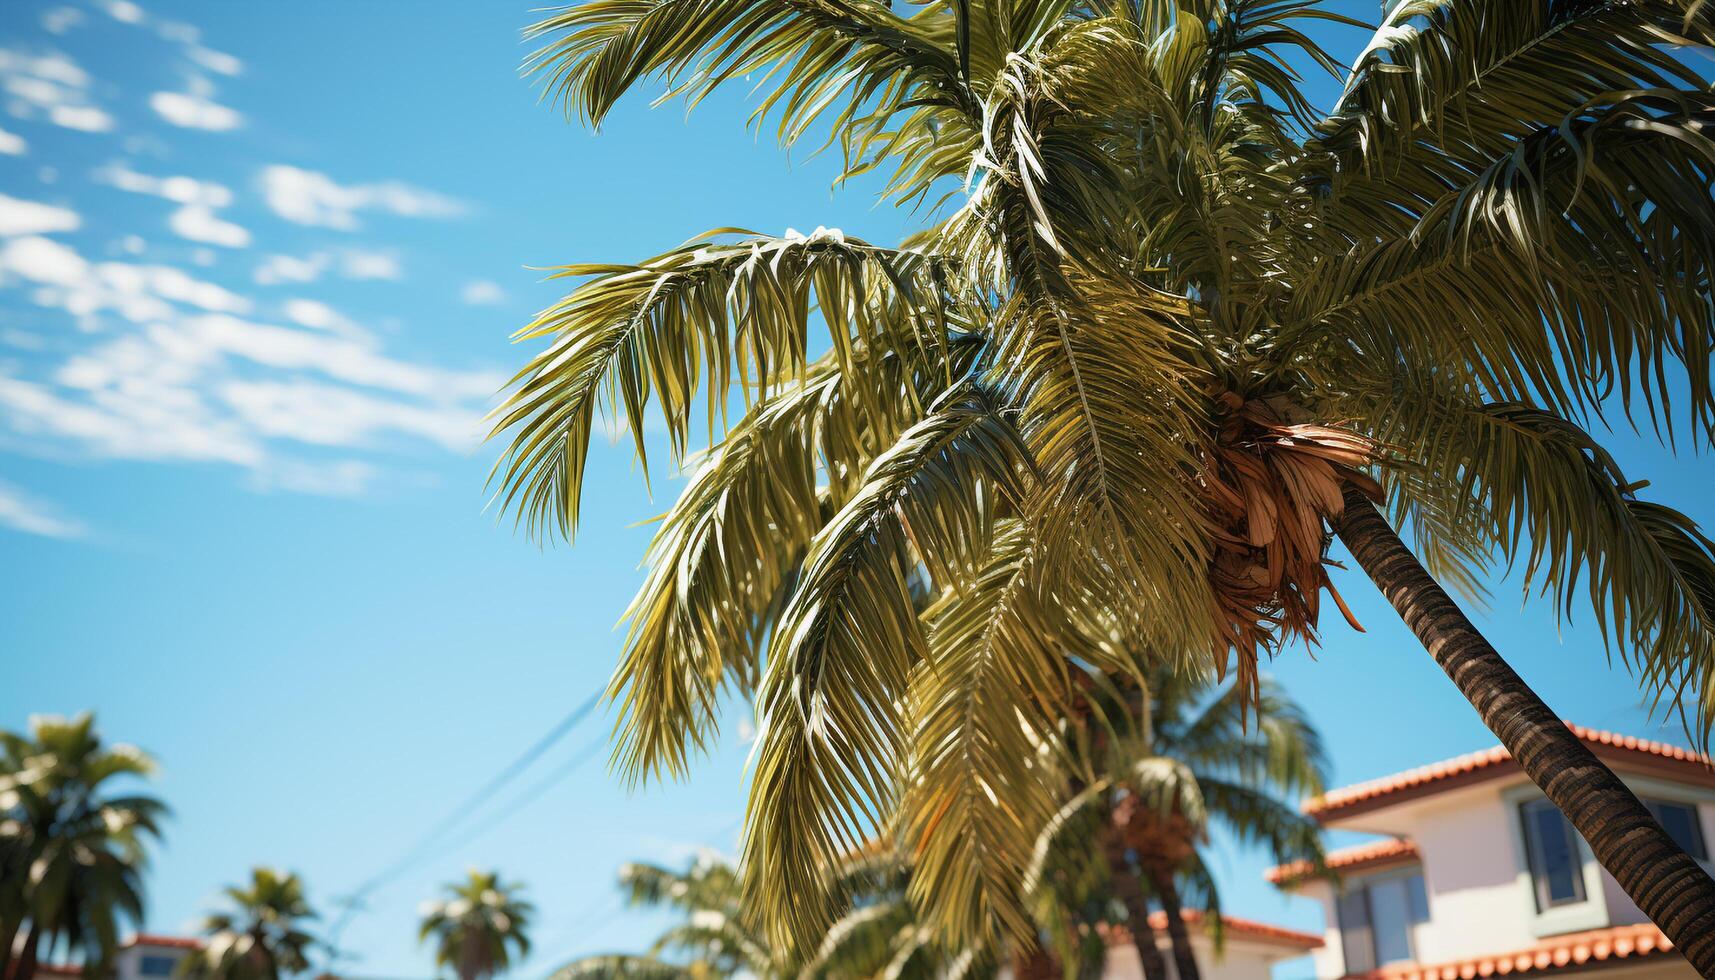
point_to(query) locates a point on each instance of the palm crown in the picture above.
(476, 929)
(261, 936)
(72, 851)
(1177, 322)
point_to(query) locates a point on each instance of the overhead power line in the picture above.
(426, 845)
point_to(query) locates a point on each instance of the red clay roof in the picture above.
(58, 970)
(1248, 929)
(1496, 762)
(153, 939)
(1395, 851)
(1578, 950)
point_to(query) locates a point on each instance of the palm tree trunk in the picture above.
(1130, 894)
(1184, 956)
(1659, 876)
(24, 967)
(8, 936)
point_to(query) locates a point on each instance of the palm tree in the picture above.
(711, 942)
(475, 926)
(71, 848)
(261, 936)
(1177, 327)
(1186, 755)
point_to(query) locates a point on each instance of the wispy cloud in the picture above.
(482, 292)
(20, 217)
(52, 87)
(353, 263)
(308, 197)
(21, 512)
(196, 108)
(12, 145)
(195, 219)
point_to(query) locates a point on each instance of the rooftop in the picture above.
(1235, 928)
(1378, 854)
(1574, 951)
(1496, 762)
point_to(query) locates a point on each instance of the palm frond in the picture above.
(723, 314)
(832, 730)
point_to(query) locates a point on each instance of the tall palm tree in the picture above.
(261, 936)
(476, 925)
(1177, 327)
(72, 845)
(1186, 755)
(712, 941)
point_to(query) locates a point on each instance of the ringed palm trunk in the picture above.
(1184, 955)
(1664, 881)
(1130, 894)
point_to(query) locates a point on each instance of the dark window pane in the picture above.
(1680, 822)
(1354, 913)
(156, 966)
(1417, 898)
(1554, 860)
(1390, 920)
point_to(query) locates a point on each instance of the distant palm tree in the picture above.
(712, 941)
(1180, 329)
(71, 850)
(1194, 754)
(261, 937)
(475, 926)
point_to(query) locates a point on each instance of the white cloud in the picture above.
(143, 419)
(21, 513)
(58, 20)
(357, 264)
(51, 86)
(348, 263)
(317, 315)
(276, 269)
(199, 224)
(11, 144)
(19, 217)
(307, 197)
(218, 62)
(85, 118)
(196, 220)
(342, 478)
(123, 11)
(481, 292)
(65, 280)
(193, 111)
(329, 415)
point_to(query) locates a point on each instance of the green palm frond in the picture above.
(708, 312)
(727, 552)
(832, 730)
(1558, 504)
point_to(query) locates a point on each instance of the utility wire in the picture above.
(425, 845)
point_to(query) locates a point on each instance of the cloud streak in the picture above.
(308, 197)
(20, 512)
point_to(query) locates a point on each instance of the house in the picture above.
(142, 957)
(1476, 874)
(1249, 949)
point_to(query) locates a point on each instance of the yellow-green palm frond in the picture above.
(723, 314)
(1446, 86)
(725, 555)
(812, 53)
(626, 967)
(1575, 268)
(986, 706)
(1560, 508)
(831, 703)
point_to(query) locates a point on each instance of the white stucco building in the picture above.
(1477, 875)
(142, 957)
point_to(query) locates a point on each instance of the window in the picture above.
(1680, 822)
(1376, 917)
(1556, 866)
(156, 966)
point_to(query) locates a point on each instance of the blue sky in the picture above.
(258, 267)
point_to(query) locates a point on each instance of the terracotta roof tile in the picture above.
(1573, 951)
(154, 939)
(1396, 850)
(1370, 793)
(1119, 935)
